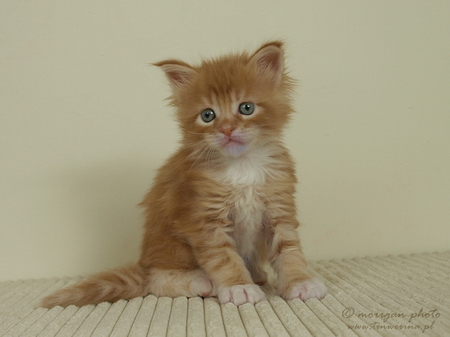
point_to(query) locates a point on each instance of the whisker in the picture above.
(192, 132)
(204, 152)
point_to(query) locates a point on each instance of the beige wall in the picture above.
(84, 125)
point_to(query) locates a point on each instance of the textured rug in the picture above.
(369, 296)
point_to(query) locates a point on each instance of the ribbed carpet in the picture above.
(369, 296)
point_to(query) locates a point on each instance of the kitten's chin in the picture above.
(234, 148)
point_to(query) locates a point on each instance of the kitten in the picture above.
(223, 205)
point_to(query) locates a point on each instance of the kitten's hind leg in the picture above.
(174, 283)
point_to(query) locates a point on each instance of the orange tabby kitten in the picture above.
(223, 205)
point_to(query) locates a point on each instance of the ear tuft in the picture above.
(269, 60)
(179, 74)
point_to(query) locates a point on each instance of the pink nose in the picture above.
(228, 131)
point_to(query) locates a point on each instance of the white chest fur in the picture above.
(249, 170)
(247, 216)
(246, 177)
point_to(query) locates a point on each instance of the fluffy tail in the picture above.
(110, 286)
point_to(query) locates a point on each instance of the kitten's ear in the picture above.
(180, 74)
(269, 60)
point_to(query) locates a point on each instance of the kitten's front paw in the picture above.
(312, 288)
(240, 294)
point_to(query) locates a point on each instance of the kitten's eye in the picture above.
(208, 115)
(246, 108)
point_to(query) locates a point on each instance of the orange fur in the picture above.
(223, 205)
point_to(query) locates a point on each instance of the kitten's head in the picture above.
(232, 104)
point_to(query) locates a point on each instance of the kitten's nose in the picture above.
(227, 131)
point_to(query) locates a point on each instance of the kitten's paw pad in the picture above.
(312, 288)
(202, 286)
(240, 294)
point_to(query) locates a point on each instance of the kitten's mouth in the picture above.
(234, 146)
(232, 141)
